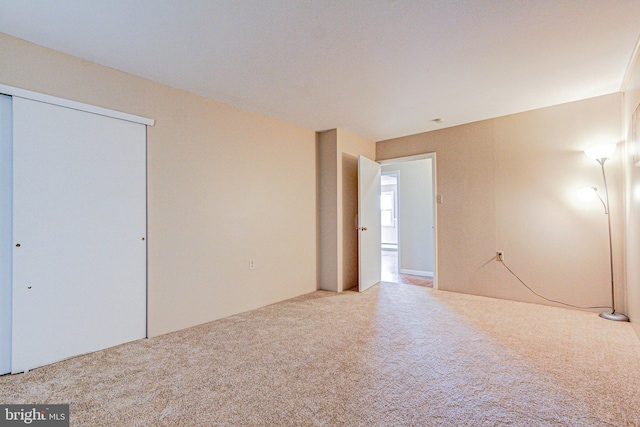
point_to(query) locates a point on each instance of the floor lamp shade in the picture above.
(601, 151)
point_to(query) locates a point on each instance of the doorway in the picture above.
(408, 220)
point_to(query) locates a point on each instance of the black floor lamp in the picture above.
(601, 154)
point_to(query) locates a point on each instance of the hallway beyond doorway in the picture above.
(390, 271)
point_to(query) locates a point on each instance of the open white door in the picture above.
(369, 229)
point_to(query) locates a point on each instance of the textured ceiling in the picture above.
(378, 68)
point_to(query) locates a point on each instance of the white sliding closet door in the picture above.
(79, 233)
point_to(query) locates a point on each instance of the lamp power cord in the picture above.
(548, 299)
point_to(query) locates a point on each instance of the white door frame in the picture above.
(431, 156)
(396, 207)
(6, 232)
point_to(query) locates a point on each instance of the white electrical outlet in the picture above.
(252, 264)
(500, 256)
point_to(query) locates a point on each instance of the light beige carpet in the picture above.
(394, 355)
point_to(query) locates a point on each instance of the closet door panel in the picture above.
(6, 249)
(79, 249)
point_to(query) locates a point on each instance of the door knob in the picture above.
(361, 228)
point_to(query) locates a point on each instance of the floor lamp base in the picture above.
(618, 317)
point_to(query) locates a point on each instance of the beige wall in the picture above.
(632, 181)
(510, 184)
(220, 189)
(338, 176)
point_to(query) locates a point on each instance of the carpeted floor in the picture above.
(394, 355)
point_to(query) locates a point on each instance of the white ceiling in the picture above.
(378, 68)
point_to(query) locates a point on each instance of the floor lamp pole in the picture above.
(605, 314)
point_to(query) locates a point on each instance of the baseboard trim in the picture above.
(416, 272)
